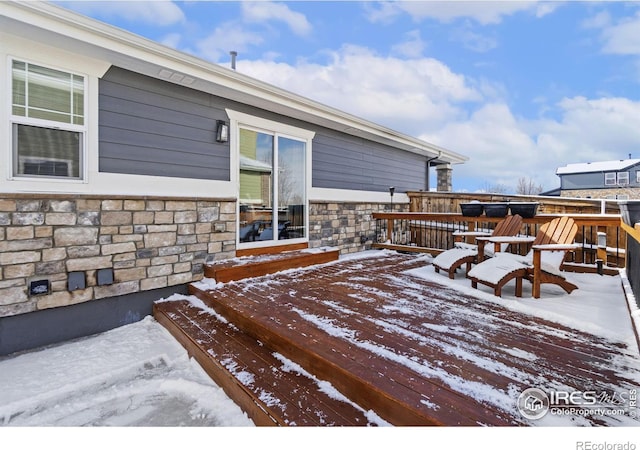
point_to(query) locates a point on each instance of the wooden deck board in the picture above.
(261, 372)
(264, 264)
(413, 351)
(359, 362)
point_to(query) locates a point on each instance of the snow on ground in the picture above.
(135, 375)
(599, 306)
(139, 376)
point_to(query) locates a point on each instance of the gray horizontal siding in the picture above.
(593, 180)
(345, 162)
(151, 127)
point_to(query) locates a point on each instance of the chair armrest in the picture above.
(471, 233)
(555, 247)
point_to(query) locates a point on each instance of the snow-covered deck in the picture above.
(399, 344)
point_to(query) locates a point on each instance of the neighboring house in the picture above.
(127, 166)
(618, 180)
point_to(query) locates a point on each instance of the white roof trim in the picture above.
(598, 166)
(122, 48)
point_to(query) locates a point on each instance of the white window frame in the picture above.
(638, 176)
(22, 160)
(622, 178)
(83, 129)
(610, 179)
(241, 120)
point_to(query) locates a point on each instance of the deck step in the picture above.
(259, 265)
(403, 350)
(269, 388)
(348, 369)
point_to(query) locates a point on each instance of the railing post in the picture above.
(390, 230)
(601, 249)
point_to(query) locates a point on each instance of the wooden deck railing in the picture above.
(600, 235)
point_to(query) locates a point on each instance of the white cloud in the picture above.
(172, 40)
(473, 41)
(446, 11)
(600, 20)
(412, 47)
(623, 38)
(264, 11)
(405, 94)
(499, 149)
(161, 13)
(227, 37)
(596, 129)
(503, 148)
(423, 97)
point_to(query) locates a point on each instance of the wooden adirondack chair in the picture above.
(452, 259)
(541, 265)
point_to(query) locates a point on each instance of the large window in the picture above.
(47, 122)
(610, 179)
(272, 186)
(623, 178)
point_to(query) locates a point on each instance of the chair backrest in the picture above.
(509, 226)
(561, 230)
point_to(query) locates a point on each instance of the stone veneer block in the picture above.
(13, 295)
(137, 273)
(64, 237)
(124, 247)
(148, 243)
(134, 205)
(111, 205)
(160, 239)
(172, 205)
(128, 287)
(153, 283)
(17, 233)
(64, 298)
(7, 205)
(28, 218)
(61, 219)
(97, 262)
(116, 218)
(10, 258)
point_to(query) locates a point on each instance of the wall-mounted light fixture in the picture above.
(222, 131)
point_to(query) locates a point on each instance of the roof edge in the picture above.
(117, 39)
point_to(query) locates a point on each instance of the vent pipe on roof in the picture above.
(233, 54)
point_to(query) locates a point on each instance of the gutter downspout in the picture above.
(429, 166)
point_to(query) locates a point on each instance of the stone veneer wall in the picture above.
(343, 225)
(148, 242)
(611, 193)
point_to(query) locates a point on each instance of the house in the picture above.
(127, 166)
(618, 180)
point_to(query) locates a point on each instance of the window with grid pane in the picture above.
(623, 178)
(610, 179)
(48, 121)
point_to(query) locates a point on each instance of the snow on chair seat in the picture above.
(541, 265)
(450, 260)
